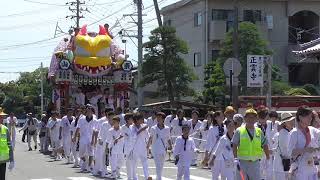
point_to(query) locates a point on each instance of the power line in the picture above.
(27, 44)
(43, 3)
(25, 13)
(112, 14)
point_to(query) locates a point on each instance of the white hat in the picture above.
(285, 117)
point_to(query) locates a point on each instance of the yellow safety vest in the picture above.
(248, 149)
(4, 148)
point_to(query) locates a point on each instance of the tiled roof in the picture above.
(309, 47)
(310, 50)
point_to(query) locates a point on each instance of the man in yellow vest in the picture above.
(249, 143)
(6, 153)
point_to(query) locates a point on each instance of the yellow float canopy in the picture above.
(93, 53)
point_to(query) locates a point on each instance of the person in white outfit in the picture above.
(140, 135)
(103, 127)
(75, 144)
(65, 134)
(195, 126)
(160, 141)
(265, 126)
(204, 130)
(281, 163)
(80, 98)
(183, 149)
(85, 128)
(168, 120)
(116, 147)
(11, 123)
(300, 147)
(54, 128)
(31, 124)
(128, 144)
(176, 124)
(224, 153)
(43, 134)
(216, 131)
(94, 102)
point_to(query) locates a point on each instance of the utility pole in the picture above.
(41, 81)
(269, 92)
(234, 98)
(77, 9)
(140, 51)
(156, 7)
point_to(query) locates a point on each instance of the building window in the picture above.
(197, 59)
(252, 15)
(229, 25)
(197, 19)
(222, 14)
(215, 54)
(167, 23)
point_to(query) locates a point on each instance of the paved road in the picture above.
(35, 166)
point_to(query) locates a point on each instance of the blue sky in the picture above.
(23, 23)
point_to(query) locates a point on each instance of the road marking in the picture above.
(198, 178)
(163, 178)
(41, 179)
(79, 178)
(169, 167)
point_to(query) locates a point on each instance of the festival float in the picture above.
(90, 67)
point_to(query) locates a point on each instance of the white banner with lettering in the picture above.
(255, 66)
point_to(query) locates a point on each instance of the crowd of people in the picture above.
(259, 144)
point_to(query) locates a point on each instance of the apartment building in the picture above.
(285, 24)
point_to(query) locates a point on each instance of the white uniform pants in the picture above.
(184, 171)
(56, 144)
(116, 161)
(129, 167)
(67, 146)
(281, 175)
(219, 168)
(159, 162)
(305, 175)
(100, 159)
(75, 153)
(34, 137)
(144, 162)
(266, 168)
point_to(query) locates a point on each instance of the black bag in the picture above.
(32, 132)
(42, 134)
(286, 164)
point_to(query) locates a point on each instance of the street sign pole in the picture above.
(269, 92)
(231, 85)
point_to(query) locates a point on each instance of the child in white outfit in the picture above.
(116, 148)
(183, 150)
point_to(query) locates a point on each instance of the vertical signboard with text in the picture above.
(255, 67)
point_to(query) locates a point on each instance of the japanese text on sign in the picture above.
(255, 66)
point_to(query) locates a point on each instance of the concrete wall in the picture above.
(183, 19)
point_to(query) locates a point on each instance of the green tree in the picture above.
(164, 65)
(250, 43)
(214, 83)
(23, 95)
(297, 92)
(311, 89)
